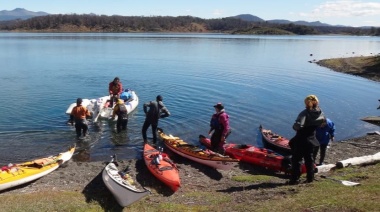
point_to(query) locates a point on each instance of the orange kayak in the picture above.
(160, 165)
(194, 153)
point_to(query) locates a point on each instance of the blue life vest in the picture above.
(214, 123)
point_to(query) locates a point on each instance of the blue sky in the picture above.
(334, 12)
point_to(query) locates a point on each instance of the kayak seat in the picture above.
(165, 168)
(44, 162)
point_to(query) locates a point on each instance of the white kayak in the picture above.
(122, 185)
(99, 107)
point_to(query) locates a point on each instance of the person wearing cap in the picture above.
(304, 142)
(79, 114)
(221, 126)
(115, 88)
(122, 115)
(154, 110)
(324, 134)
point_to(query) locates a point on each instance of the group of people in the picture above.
(313, 130)
(153, 111)
(313, 133)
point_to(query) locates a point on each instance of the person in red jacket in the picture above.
(115, 88)
(79, 115)
(219, 128)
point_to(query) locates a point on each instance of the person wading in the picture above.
(156, 111)
(79, 115)
(122, 115)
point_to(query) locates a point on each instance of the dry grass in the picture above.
(322, 195)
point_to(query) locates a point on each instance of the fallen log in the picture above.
(364, 160)
(325, 168)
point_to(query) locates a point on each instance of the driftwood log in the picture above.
(364, 160)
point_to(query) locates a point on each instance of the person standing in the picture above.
(122, 115)
(221, 126)
(156, 111)
(79, 114)
(115, 88)
(324, 134)
(304, 142)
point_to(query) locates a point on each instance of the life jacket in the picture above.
(122, 112)
(214, 123)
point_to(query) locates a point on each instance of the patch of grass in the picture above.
(47, 201)
(322, 195)
(251, 178)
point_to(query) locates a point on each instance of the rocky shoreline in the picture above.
(366, 66)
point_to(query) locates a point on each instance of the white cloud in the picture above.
(217, 12)
(344, 8)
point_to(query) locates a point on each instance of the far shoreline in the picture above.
(364, 66)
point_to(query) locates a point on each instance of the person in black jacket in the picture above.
(156, 110)
(304, 142)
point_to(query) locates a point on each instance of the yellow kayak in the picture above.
(17, 174)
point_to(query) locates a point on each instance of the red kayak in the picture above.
(160, 165)
(274, 141)
(257, 156)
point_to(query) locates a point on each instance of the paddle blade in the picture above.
(349, 183)
(344, 182)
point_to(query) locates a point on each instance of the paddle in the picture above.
(344, 182)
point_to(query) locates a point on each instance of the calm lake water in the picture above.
(259, 79)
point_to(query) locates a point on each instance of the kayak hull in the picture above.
(122, 189)
(262, 157)
(166, 171)
(191, 152)
(26, 172)
(275, 142)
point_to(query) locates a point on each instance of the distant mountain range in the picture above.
(20, 13)
(252, 18)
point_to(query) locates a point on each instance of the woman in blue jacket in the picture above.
(324, 134)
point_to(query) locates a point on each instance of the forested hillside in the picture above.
(102, 23)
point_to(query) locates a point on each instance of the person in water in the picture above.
(115, 88)
(120, 110)
(304, 142)
(78, 115)
(156, 111)
(220, 128)
(324, 134)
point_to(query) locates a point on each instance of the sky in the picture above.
(334, 12)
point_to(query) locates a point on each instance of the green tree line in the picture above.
(103, 23)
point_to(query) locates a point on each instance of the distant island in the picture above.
(240, 24)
